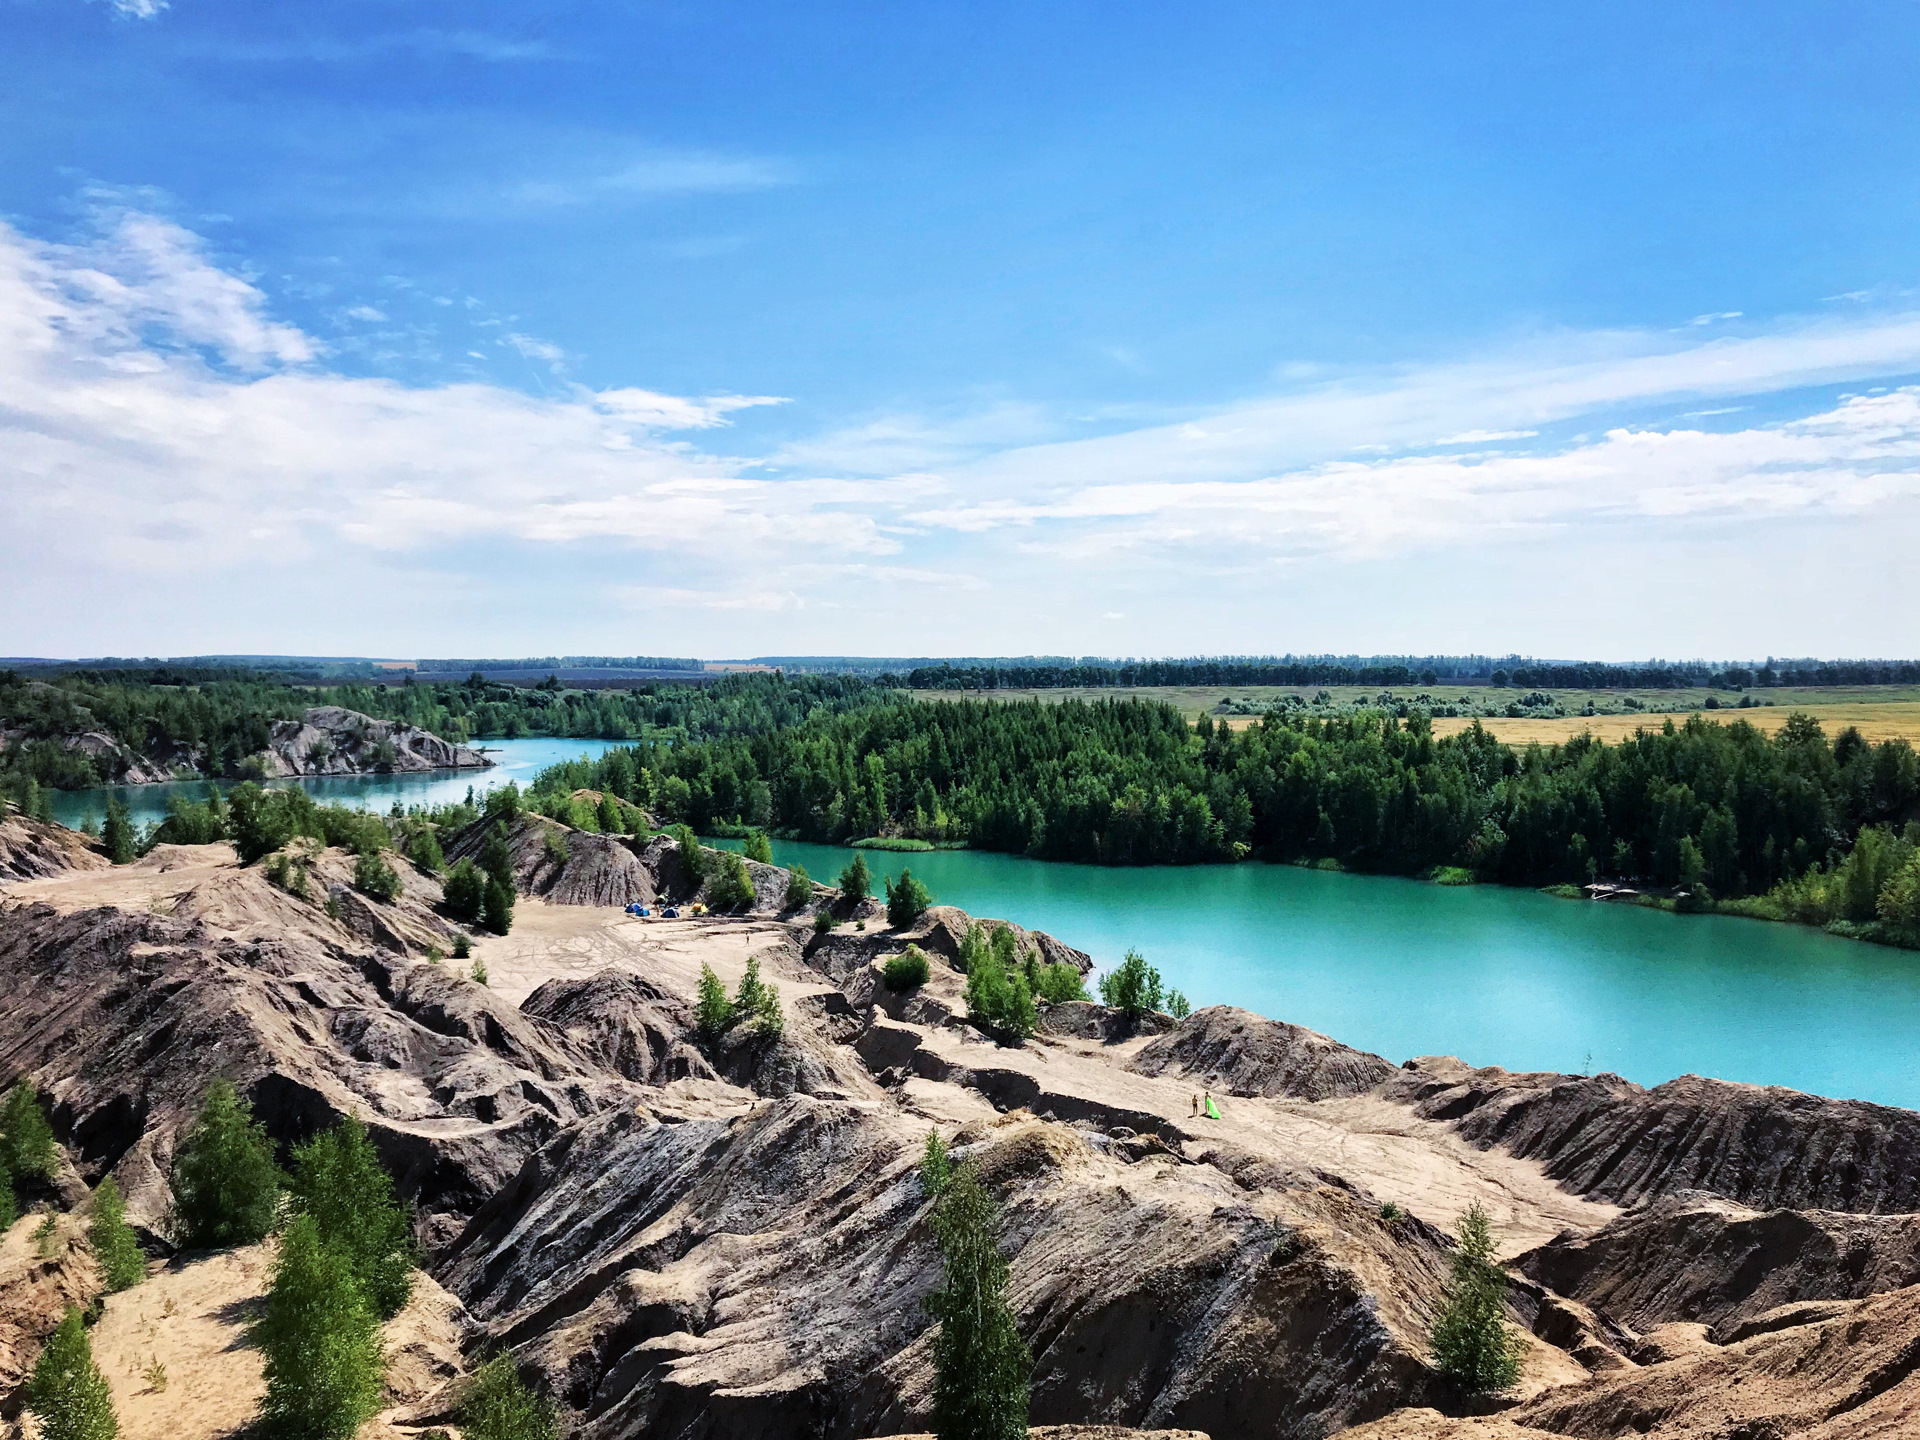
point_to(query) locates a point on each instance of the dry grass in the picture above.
(1897, 720)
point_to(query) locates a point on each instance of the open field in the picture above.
(1881, 712)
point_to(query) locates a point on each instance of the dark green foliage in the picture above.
(375, 878)
(188, 823)
(693, 857)
(121, 1260)
(558, 850)
(339, 1181)
(117, 837)
(9, 1204)
(907, 900)
(908, 970)
(759, 1000)
(1178, 1006)
(981, 1365)
(496, 856)
(799, 888)
(935, 1166)
(758, 847)
(321, 1340)
(503, 803)
(462, 947)
(731, 888)
(999, 999)
(1472, 1344)
(499, 1406)
(424, 851)
(68, 1394)
(225, 1184)
(26, 1139)
(856, 881)
(496, 912)
(712, 1011)
(1132, 986)
(822, 923)
(1056, 984)
(466, 891)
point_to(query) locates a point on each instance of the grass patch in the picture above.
(1327, 864)
(730, 832)
(892, 842)
(1452, 875)
(1564, 891)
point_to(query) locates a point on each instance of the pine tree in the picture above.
(799, 887)
(981, 1366)
(856, 881)
(321, 1340)
(68, 1394)
(26, 1139)
(496, 857)
(121, 1259)
(713, 1011)
(907, 900)
(935, 1167)
(117, 838)
(338, 1180)
(501, 1407)
(758, 847)
(9, 1206)
(497, 912)
(225, 1184)
(1472, 1343)
(732, 888)
(466, 891)
(693, 859)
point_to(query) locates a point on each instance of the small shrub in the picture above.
(68, 1394)
(1132, 986)
(156, 1376)
(712, 1011)
(999, 999)
(9, 1207)
(799, 888)
(462, 946)
(479, 972)
(935, 1166)
(693, 859)
(908, 970)
(907, 900)
(822, 923)
(44, 1234)
(321, 1340)
(424, 851)
(497, 914)
(225, 1184)
(732, 887)
(466, 891)
(1178, 1006)
(375, 878)
(1391, 1212)
(435, 954)
(856, 881)
(121, 1259)
(1057, 984)
(758, 847)
(859, 924)
(499, 1406)
(26, 1139)
(557, 850)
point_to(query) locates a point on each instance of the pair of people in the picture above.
(1203, 1105)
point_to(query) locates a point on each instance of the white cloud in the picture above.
(366, 312)
(138, 9)
(1486, 437)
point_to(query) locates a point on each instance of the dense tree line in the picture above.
(225, 719)
(1722, 809)
(569, 662)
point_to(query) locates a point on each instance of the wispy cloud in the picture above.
(138, 9)
(651, 176)
(334, 50)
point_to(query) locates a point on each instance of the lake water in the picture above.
(1493, 975)
(517, 760)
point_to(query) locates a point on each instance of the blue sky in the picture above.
(727, 329)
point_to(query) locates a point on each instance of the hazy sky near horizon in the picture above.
(725, 329)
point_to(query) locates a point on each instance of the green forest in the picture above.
(225, 715)
(1801, 824)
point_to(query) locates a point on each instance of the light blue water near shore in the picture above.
(516, 760)
(1493, 975)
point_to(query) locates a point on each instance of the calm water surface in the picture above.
(1495, 976)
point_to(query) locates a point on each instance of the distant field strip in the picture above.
(1897, 720)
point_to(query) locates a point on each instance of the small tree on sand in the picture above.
(68, 1394)
(119, 1254)
(1472, 1343)
(501, 1407)
(981, 1365)
(338, 1180)
(321, 1340)
(225, 1184)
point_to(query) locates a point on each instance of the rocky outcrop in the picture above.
(33, 849)
(1702, 1260)
(1241, 1053)
(626, 1024)
(329, 740)
(1609, 1138)
(939, 932)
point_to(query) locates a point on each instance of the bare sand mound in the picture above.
(1240, 1053)
(32, 849)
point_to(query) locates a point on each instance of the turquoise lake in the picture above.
(1495, 976)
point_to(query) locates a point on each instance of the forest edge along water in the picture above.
(1492, 974)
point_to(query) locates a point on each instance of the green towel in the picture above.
(1213, 1110)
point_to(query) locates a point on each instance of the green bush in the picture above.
(731, 888)
(759, 1001)
(424, 851)
(26, 1139)
(856, 881)
(936, 1168)
(1178, 1006)
(907, 900)
(1132, 986)
(693, 858)
(1472, 1344)
(462, 946)
(117, 837)
(497, 911)
(799, 888)
(556, 845)
(9, 1204)
(496, 858)
(121, 1260)
(1056, 984)
(981, 1365)
(499, 1406)
(68, 1394)
(225, 1184)
(375, 878)
(822, 923)
(321, 1341)
(466, 891)
(999, 999)
(908, 970)
(758, 847)
(339, 1181)
(712, 1011)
